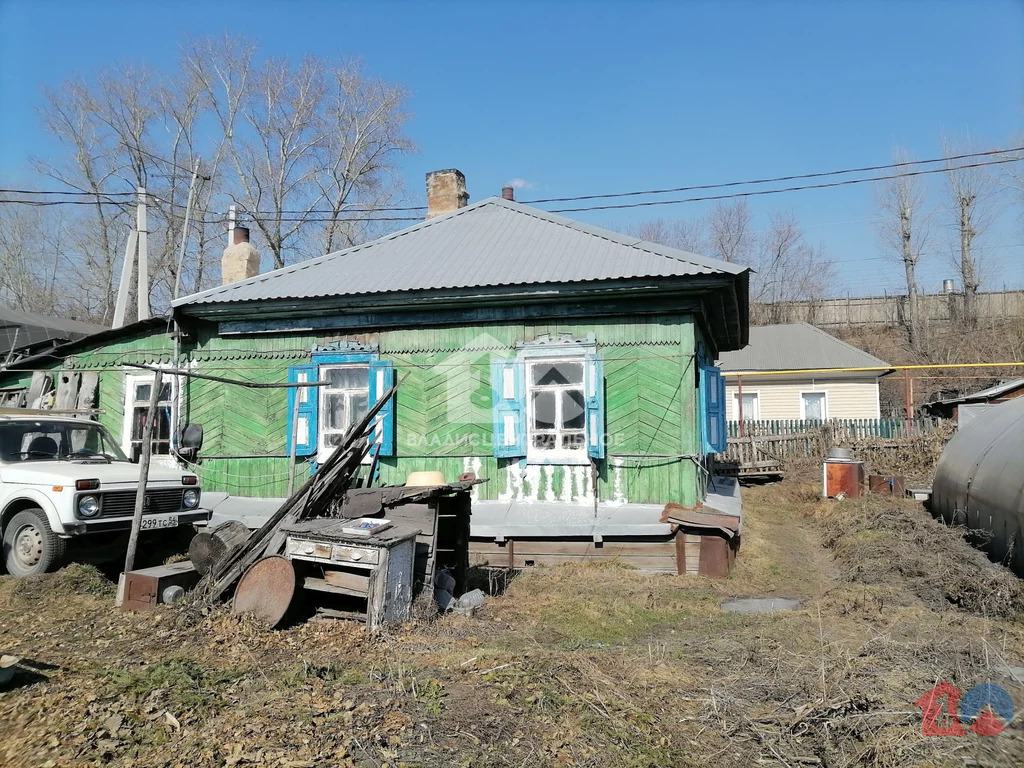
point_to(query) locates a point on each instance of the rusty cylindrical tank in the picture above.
(979, 481)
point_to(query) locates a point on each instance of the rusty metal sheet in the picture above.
(266, 590)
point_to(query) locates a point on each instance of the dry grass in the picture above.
(573, 666)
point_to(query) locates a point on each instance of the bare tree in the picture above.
(972, 192)
(308, 151)
(308, 143)
(787, 269)
(729, 233)
(27, 273)
(903, 231)
(685, 234)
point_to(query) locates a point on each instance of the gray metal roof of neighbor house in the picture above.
(794, 347)
(19, 330)
(989, 393)
(492, 243)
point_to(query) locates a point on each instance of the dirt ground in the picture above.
(572, 666)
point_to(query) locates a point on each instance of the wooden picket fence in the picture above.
(768, 445)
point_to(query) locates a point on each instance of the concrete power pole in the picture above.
(136, 247)
(142, 292)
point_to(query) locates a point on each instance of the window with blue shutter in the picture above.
(353, 381)
(382, 378)
(712, 393)
(508, 398)
(302, 423)
(594, 389)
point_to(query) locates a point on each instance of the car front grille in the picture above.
(122, 503)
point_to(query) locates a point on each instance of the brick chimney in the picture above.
(508, 192)
(446, 192)
(240, 260)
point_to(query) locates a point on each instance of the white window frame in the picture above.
(803, 409)
(557, 455)
(736, 404)
(323, 450)
(130, 382)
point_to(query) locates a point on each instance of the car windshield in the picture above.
(56, 441)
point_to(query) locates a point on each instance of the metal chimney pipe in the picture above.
(947, 286)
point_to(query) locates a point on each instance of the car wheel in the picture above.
(30, 546)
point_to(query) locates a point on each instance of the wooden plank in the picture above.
(87, 390)
(661, 564)
(664, 547)
(358, 582)
(321, 585)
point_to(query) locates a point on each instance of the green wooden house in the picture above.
(570, 366)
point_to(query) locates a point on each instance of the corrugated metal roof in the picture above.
(491, 243)
(996, 390)
(26, 329)
(795, 346)
(989, 393)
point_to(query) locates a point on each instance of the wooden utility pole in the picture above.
(967, 261)
(909, 266)
(147, 454)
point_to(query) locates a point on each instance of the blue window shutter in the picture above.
(382, 378)
(594, 391)
(508, 406)
(305, 428)
(712, 393)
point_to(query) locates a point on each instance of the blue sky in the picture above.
(581, 98)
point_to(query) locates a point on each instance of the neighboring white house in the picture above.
(791, 394)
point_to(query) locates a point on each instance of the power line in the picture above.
(762, 192)
(777, 179)
(333, 212)
(68, 194)
(44, 203)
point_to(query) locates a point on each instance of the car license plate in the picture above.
(164, 521)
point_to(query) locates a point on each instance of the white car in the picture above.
(64, 479)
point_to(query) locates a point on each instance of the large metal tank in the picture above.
(979, 481)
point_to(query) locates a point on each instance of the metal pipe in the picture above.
(184, 229)
(1017, 364)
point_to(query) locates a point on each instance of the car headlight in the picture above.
(88, 506)
(190, 498)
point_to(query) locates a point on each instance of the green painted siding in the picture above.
(258, 478)
(443, 410)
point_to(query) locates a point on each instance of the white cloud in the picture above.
(521, 184)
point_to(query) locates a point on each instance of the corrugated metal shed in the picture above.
(492, 243)
(796, 346)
